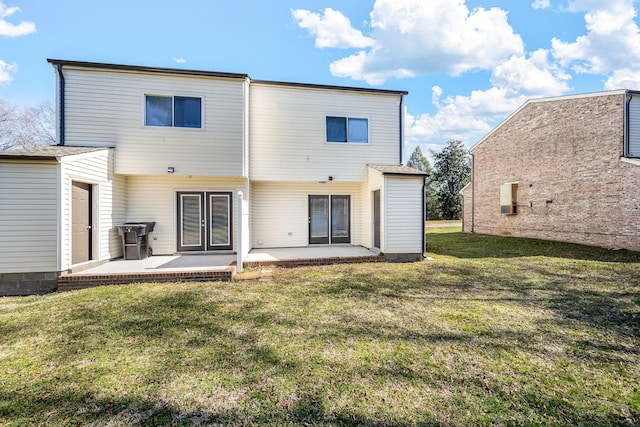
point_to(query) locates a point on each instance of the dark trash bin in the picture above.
(135, 239)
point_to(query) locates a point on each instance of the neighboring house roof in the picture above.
(201, 73)
(552, 99)
(397, 170)
(464, 188)
(52, 152)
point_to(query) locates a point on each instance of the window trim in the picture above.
(173, 107)
(509, 198)
(346, 118)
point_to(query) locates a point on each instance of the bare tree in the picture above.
(7, 124)
(27, 128)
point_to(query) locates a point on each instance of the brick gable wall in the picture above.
(572, 185)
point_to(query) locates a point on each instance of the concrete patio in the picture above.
(206, 267)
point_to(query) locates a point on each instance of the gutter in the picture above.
(627, 121)
(61, 128)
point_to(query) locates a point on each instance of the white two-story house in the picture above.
(314, 164)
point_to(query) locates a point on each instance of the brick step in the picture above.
(69, 282)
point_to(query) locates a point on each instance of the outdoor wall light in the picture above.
(171, 169)
(330, 178)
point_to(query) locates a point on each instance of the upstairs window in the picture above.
(348, 130)
(173, 111)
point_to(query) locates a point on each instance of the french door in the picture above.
(329, 219)
(204, 221)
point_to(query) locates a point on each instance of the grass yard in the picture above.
(492, 331)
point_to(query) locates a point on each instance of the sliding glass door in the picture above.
(329, 219)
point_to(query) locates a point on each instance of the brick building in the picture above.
(565, 169)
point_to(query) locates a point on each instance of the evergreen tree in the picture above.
(419, 161)
(452, 171)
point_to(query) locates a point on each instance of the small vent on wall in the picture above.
(509, 198)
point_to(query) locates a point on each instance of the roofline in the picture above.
(330, 87)
(202, 73)
(145, 69)
(416, 172)
(7, 155)
(551, 99)
(30, 158)
(403, 173)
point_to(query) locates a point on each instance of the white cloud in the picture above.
(467, 118)
(5, 72)
(541, 4)
(534, 76)
(612, 40)
(623, 79)
(179, 60)
(414, 37)
(8, 29)
(331, 29)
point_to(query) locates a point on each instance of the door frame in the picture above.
(324, 240)
(376, 219)
(205, 211)
(88, 187)
(329, 239)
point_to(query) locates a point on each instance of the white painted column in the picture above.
(239, 248)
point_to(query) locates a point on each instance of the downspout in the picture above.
(401, 127)
(473, 191)
(627, 107)
(61, 107)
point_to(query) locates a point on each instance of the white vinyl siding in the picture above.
(108, 191)
(107, 108)
(403, 214)
(28, 217)
(375, 182)
(153, 198)
(280, 212)
(633, 142)
(288, 133)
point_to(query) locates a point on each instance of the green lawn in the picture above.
(492, 331)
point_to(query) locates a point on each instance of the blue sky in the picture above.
(467, 64)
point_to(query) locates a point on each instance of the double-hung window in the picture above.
(173, 111)
(348, 130)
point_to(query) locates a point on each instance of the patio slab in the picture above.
(188, 262)
(163, 263)
(315, 252)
